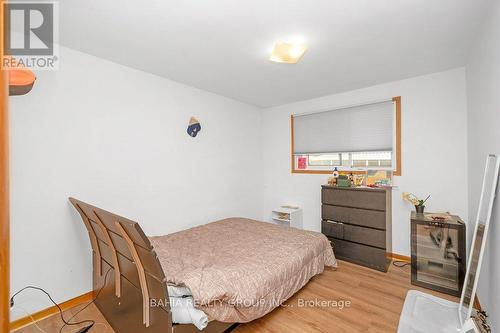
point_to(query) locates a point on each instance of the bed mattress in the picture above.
(239, 269)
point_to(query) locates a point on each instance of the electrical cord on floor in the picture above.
(90, 322)
(91, 302)
(399, 263)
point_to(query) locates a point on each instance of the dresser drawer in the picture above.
(360, 254)
(332, 229)
(369, 199)
(362, 235)
(354, 233)
(362, 217)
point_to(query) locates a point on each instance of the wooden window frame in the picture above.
(397, 170)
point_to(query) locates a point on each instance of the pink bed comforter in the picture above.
(240, 269)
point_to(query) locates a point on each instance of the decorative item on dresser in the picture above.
(438, 252)
(358, 222)
(418, 203)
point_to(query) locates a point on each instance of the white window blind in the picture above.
(352, 129)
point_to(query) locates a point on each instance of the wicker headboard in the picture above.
(134, 298)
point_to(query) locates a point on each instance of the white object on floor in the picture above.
(425, 313)
(184, 312)
(288, 215)
(182, 307)
(175, 291)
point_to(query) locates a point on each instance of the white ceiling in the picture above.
(222, 45)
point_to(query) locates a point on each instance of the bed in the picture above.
(235, 270)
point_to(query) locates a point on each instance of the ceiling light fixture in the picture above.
(288, 52)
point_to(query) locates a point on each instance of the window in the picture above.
(375, 160)
(325, 159)
(354, 138)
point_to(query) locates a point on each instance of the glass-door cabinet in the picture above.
(438, 258)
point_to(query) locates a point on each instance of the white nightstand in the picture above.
(288, 215)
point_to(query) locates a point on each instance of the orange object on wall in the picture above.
(21, 81)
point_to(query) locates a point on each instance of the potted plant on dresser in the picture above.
(414, 200)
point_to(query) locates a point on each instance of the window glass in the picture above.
(345, 161)
(325, 159)
(372, 159)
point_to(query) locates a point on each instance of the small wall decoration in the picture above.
(302, 163)
(194, 127)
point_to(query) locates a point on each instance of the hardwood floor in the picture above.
(376, 300)
(53, 323)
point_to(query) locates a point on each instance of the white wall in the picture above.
(483, 87)
(116, 137)
(433, 150)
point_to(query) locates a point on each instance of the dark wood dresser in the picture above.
(357, 220)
